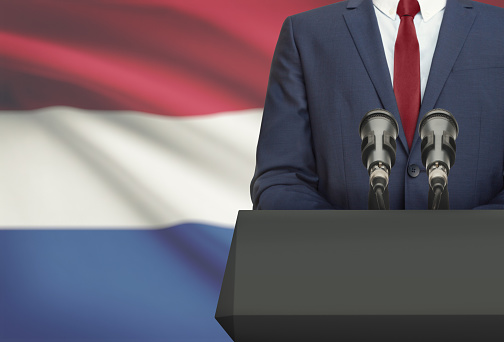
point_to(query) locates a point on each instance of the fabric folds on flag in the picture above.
(128, 130)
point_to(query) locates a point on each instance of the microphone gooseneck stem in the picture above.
(379, 198)
(437, 198)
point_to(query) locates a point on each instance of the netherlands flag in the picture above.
(127, 144)
(127, 138)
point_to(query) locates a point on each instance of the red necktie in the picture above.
(407, 68)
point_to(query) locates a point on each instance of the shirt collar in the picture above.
(428, 8)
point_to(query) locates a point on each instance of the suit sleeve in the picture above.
(286, 175)
(496, 203)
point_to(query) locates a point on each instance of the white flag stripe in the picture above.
(66, 167)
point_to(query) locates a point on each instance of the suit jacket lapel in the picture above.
(361, 20)
(457, 22)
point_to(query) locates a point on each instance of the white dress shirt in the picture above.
(427, 24)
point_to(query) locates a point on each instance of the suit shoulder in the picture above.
(489, 22)
(328, 12)
(489, 12)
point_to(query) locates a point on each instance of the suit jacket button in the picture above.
(413, 170)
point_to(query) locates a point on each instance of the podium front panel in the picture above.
(365, 275)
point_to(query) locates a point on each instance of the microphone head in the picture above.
(438, 120)
(380, 118)
(378, 130)
(438, 130)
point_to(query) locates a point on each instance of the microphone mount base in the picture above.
(378, 197)
(438, 192)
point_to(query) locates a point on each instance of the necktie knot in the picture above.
(408, 7)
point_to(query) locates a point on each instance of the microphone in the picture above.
(438, 130)
(378, 130)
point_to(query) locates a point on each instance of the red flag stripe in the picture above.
(165, 57)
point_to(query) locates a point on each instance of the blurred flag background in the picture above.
(127, 144)
(127, 140)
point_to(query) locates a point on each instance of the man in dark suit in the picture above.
(331, 67)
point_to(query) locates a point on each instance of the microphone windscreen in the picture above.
(438, 130)
(378, 130)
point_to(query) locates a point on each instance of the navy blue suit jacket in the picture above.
(329, 69)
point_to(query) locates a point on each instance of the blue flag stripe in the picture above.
(112, 285)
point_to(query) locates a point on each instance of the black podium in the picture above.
(402, 276)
